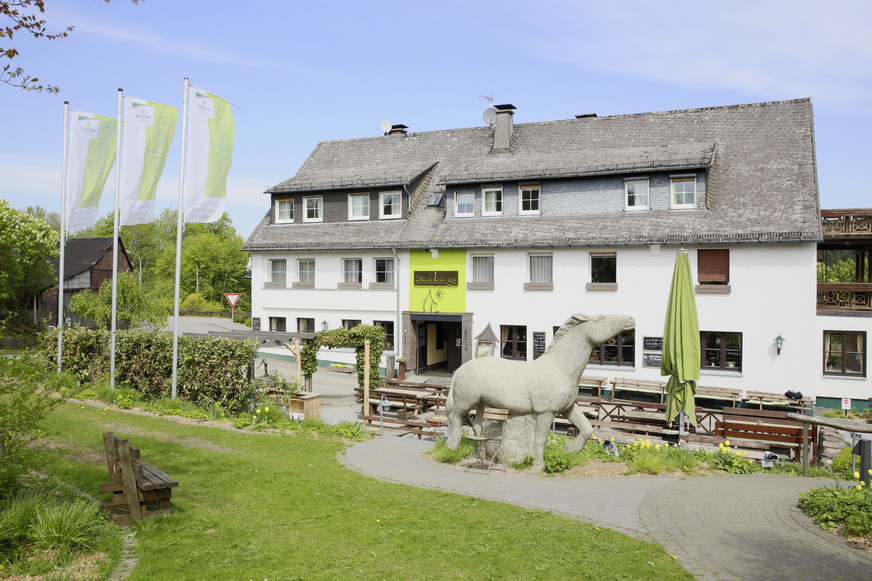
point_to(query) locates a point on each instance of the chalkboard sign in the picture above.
(653, 344)
(255, 324)
(538, 344)
(651, 359)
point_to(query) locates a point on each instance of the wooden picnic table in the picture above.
(413, 401)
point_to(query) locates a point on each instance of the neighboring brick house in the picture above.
(503, 231)
(87, 265)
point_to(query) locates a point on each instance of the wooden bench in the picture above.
(622, 386)
(763, 430)
(138, 489)
(761, 398)
(720, 394)
(594, 384)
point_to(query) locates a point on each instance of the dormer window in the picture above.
(530, 198)
(358, 207)
(493, 201)
(284, 211)
(391, 205)
(683, 192)
(464, 204)
(314, 209)
(636, 194)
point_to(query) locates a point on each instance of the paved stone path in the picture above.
(719, 527)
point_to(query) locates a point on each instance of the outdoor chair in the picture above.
(486, 447)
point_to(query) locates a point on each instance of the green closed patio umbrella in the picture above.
(681, 350)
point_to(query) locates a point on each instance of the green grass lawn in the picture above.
(263, 506)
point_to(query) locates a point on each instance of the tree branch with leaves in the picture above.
(25, 17)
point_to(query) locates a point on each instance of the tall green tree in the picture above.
(27, 245)
(134, 307)
(211, 255)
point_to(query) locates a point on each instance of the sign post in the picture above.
(232, 298)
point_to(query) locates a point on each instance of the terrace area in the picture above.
(846, 233)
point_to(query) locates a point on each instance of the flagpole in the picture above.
(64, 189)
(179, 225)
(115, 228)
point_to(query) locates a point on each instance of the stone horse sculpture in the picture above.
(539, 389)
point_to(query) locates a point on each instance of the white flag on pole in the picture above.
(148, 133)
(210, 153)
(92, 155)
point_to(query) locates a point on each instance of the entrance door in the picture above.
(455, 347)
(422, 348)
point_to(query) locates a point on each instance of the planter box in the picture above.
(308, 404)
(340, 369)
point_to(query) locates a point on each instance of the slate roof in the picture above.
(762, 183)
(81, 254)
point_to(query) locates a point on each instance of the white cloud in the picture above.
(24, 176)
(193, 50)
(776, 48)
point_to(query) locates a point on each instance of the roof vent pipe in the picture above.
(504, 128)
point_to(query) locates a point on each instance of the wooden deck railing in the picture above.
(849, 296)
(847, 223)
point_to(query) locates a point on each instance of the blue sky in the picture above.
(304, 72)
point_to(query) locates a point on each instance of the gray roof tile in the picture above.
(762, 181)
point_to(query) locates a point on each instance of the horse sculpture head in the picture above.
(596, 329)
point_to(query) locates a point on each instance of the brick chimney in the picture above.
(504, 128)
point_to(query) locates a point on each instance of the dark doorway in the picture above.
(422, 348)
(455, 346)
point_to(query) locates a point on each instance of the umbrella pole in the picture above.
(681, 423)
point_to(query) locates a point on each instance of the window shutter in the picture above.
(713, 265)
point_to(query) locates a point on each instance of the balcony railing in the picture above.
(844, 296)
(847, 223)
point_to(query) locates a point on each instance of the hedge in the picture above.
(210, 369)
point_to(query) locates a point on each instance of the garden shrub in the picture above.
(832, 507)
(28, 393)
(210, 369)
(842, 462)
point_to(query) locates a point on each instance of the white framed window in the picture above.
(482, 272)
(278, 324)
(349, 324)
(683, 192)
(314, 209)
(278, 271)
(305, 325)
(540, 272)
(358, 206)
(390, 205)
(530, 201)
(384, 271)
(284, 211)
(483, 268)
(603, 271)
(845, 353)
(493, 201)
(352, 270)
(636, 194)
(388, 326)
(464, 204)
(306, 270)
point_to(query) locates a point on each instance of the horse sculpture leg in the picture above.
(479, 419)
(585, 430)
(543, 425)
(455, 415)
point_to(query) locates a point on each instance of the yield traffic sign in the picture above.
(232, 298)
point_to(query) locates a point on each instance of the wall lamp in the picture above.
(779, 343)
(324, 328)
